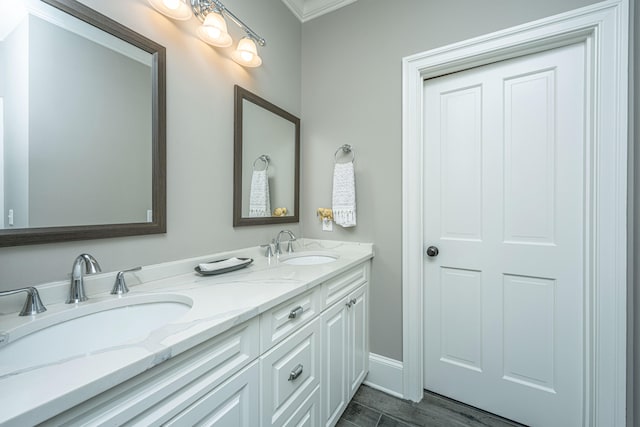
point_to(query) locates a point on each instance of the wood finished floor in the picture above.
(372, 408)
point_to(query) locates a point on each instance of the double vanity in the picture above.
(282, 342)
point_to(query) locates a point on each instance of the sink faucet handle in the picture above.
(33, 304)
(269, 250)
(120, 286)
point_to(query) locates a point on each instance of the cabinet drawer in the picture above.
(234, 403)
(308, 415)
(161, 392)
(277, 323)
(289, 373)
(339, 287)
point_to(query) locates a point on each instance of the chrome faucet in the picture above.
(33, 304)
(292, 238)
(91, 266)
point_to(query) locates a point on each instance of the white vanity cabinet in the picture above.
(345, 342)
(296, 364)
(182, 387)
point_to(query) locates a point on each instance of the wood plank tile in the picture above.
(433, 410)
(360, 415)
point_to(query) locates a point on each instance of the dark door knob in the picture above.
(432, 251)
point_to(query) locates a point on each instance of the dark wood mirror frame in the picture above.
(242, 94)
(28, 236)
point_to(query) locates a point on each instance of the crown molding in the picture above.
(307, 10)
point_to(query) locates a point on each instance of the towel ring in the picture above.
(264, 158)
(346, 149)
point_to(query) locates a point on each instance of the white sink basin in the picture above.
(90, 327)
(309, 258)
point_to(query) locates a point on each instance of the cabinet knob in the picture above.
(296, 312)
(296, 372)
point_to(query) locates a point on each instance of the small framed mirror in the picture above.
(266, 182)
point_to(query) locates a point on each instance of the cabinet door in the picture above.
(358, 339)
(335, 331)
(235, 403)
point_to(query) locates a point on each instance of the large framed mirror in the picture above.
(266, 180)
(82, 125)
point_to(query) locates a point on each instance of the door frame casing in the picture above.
(603, 28)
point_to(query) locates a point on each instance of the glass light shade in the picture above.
(175, 9)
(214, 30)
(247, 53)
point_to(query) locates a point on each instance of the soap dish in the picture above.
(245, 262)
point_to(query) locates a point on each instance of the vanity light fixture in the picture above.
(213, 15)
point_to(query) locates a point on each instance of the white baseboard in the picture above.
(385, 375)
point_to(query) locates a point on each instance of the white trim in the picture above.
(306, 10)
(604, 28)
(385, 375)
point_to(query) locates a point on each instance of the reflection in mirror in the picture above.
(267, 151)
(81, 110)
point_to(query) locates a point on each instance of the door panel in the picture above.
(461, 318)
(530, 149)
(529, 325)
(461, 164)
(504, 202)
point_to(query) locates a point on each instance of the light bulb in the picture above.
(246, 56)
(214, 30)
(171, 4)
(212, 33)
(175, 9)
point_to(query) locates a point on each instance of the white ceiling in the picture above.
(306, 10)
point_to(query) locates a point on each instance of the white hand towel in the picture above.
(259, 203)
(217, 265)
(344, 195)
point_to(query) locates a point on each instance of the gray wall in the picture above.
(200, 83)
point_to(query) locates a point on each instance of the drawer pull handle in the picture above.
(295, 373)
(295, 312)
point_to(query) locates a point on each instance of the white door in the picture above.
(504, 205)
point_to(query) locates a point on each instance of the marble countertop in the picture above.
(33, 394)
